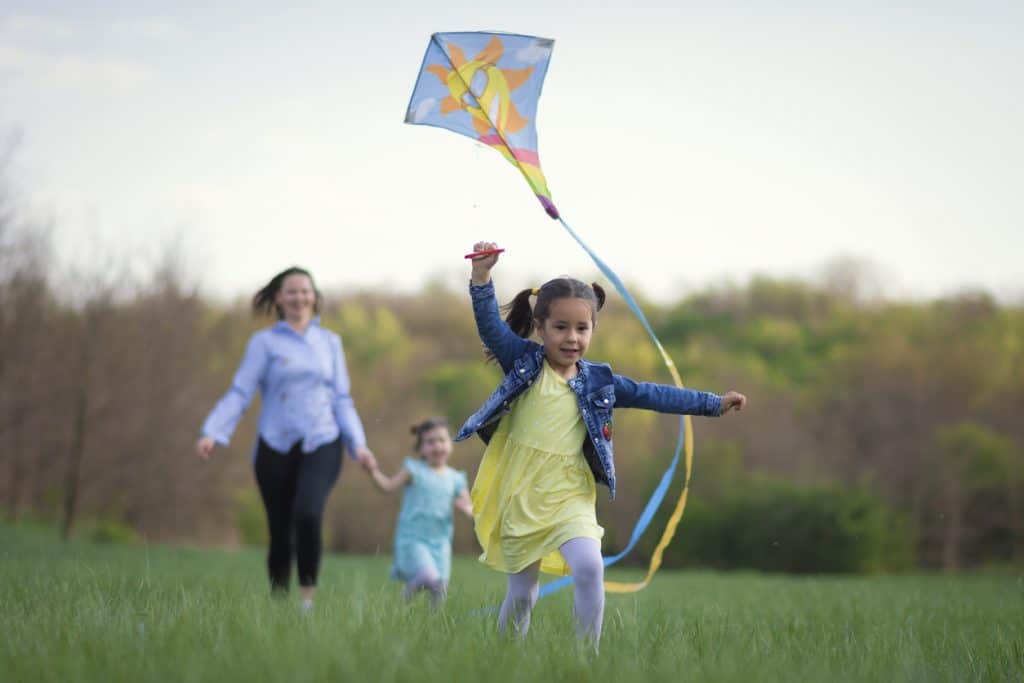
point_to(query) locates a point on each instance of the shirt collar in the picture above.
(283, 326)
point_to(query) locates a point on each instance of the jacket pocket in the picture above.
(603, 399)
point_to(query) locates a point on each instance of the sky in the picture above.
(691, 146)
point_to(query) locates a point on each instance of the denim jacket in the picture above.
(597, 389)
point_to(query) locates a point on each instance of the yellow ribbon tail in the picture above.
(677, 513)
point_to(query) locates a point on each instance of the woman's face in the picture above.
(435, 446)
(296, 297)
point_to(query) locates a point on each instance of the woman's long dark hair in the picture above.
(263, 302)
(521, 316)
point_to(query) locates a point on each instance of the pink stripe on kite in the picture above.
(527, 156)
(492, 140)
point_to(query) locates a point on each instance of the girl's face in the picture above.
(566, 332)
(435, 446)
(296, 297)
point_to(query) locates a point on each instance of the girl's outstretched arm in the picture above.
(665, 398)
(464, 503)
(388, 484)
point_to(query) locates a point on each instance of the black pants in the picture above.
(294, 487)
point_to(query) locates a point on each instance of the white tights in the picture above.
(427, 579)
(583, 555)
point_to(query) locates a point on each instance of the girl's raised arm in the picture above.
(494, 332)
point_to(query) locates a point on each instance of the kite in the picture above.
(487, 86)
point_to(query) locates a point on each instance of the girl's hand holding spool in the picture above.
(482, 264)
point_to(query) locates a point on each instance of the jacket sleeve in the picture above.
(665, 398)
(494, 332)
(351, 427)
(224, 417)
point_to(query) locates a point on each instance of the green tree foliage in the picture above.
(975, 480)
(879, 433)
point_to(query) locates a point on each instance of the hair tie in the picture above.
(535, 291)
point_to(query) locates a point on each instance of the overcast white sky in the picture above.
(688, 145)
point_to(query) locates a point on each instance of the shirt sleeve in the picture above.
(665, 398)
(413, 467)
(494, 332)
(352, 434)
(222, 420)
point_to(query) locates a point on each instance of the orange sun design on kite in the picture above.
(479, 87)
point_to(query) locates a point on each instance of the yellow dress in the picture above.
(534, 490)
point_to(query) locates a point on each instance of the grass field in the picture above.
(77, 611)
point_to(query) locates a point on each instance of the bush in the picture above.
(109, 530)
(773, 525)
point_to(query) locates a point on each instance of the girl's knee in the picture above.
(523, 605)
(589, 572)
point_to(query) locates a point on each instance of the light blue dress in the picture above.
(423, 536)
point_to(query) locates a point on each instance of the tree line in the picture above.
(880, 435)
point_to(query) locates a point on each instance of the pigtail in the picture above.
(522, 317)
(519, 316)
(599, 293)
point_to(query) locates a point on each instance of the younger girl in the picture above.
(548, 429)
(423, 537)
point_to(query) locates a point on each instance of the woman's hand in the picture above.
(204, 447)
(733, 399)
(482, 264)
(366, 458)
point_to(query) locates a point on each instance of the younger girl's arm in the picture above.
(388, 484)
(665, 398)
(494, 332)
(464, 503)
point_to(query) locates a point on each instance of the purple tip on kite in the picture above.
(548, 206)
